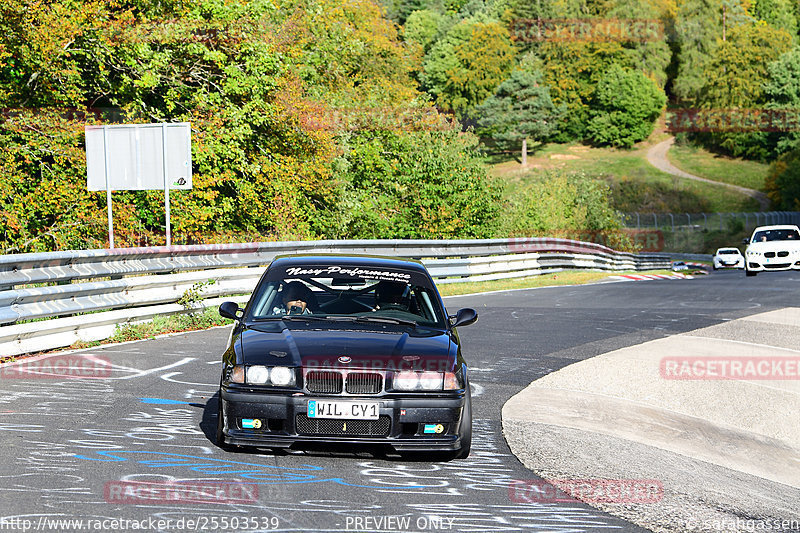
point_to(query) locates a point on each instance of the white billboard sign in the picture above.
(139, 157)
(135, 153)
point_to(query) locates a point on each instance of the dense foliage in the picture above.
(286, 100)
(326, 118)
(614, 64)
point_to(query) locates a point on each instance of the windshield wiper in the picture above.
(307, 317)
(386, 320)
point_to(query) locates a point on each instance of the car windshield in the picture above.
(358, 299)
(728, 252)
(787, 234)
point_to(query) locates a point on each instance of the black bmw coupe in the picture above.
(349, 350)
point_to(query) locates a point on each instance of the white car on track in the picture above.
(772, 248)
(728, 258)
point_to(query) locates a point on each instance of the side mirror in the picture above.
(229, 310)
(745, 241)
(464, 317)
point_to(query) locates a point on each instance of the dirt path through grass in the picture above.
(657, 156)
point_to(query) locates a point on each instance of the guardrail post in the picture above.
(672, 220)
(705, 221)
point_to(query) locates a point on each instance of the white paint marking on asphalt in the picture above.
(140, 373)
(168, 377)
(476, 390)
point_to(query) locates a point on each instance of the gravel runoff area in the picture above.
(726, 452)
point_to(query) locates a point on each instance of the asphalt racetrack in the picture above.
(105, 452)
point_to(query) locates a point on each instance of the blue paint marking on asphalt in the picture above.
(262, 474)
(163, 401)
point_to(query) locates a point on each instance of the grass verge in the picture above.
(637, 186)
(567, 277)
(700, 162)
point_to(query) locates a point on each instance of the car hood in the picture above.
(773, 246)
(377, 350)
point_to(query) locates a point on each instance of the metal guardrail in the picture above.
(127, 285)
(709, 221)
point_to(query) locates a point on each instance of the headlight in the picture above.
(430, 381)
(282, 376)
(257, 375)
(425, 381)
(278, 376)
(406, 381)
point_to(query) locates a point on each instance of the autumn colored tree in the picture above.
(736, 78)
(275, 93)
(464, 68)
(783, 181)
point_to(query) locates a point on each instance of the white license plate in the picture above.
(346, 410)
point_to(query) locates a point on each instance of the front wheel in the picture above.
(220, 437)
(466, 428)
(749, 273)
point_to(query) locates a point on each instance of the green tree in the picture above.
(782, 92)
(736, 78)
(518, 111)
(699, 31)
(779, 14)
(571, 70)
(562, 204)
(427, 184)
(624, 108)
(423, 27)
(464, 68)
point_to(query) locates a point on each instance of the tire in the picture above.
(466, 429)
(749, 273)
(220, 437)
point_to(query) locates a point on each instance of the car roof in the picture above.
(729, 248)
(359, 260)
(784, 226)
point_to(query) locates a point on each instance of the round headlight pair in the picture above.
(408, 381)
(277, 375)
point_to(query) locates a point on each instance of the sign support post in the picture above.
(166, 180)
(108, 190)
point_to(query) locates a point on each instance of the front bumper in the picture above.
(758, 265)
(284, 422)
